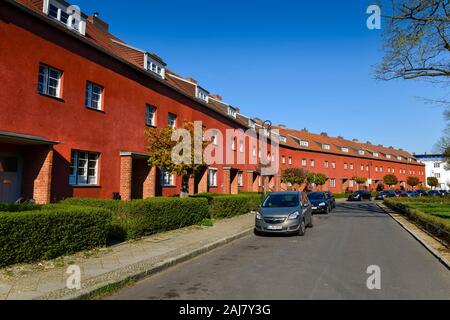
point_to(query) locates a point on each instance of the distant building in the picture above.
(436, 166)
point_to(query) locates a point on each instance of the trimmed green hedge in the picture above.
(51, 232)
(11, 207)
(145, 217)
(233, 205)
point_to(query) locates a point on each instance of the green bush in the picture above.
(10, 207)
(51, 232)
(140, 218)
(97, 203)
(233, 205)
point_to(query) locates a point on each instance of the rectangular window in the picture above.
(351, 166)
(332, 183)
(381, 169)
(345, 166)
(241, 146)
(388, 156)
(333, 165)
(344, 149)
(83, 168)
(283, 139)
(232, 112)
(437, 165)
(283, 159)
(376, 169)
(303, 162)
(326, 147)
(290, 160)
(312, 163)
(49, 81)
(172, 121)
(94, 95)
(361, 152)
(240, 180)
(367, 168)
(167, 179)
(437, 175)
(212, 178)
(150, 116)
(304, 143)
(375, 154)
(254, 151)
(326, 164)
(350, 183)
(362, 167)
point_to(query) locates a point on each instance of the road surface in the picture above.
(330, 262)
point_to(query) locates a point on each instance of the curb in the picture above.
(433, 251)
(134, 276)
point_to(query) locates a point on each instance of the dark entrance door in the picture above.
(10, 181)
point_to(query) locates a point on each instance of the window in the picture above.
(332, 183)
(375, 154)
(259, 181)
(283, 139)
(49, 81)
(232, 112)
(251, 123)
(388, 156)
(233, 144)
(376, 169)
(94, 94)
(290, 160)
(351, 166)
(389, 169)
(283, 159)
(214, 137)
(350, 183)
(381, 169)
(326, 164)
(437, 165)
(172, 121)
(393, 170)
(59, 13)
(202, 94)
(212, 178)
(437, 175)
(254, 151)
(304, 143)
(167, 179)
(304, 162)
(312, 163)
(344, 149)
(240, 180)
(362, 167)
(345, 166)
(150, 116)
(326, 147)
(83, 168)
(367, 168)
(399, 158)
(241, 146)
(361, 152)
(154, 66)
(333, 165)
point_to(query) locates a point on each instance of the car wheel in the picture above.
(302, 229)
(256, 232)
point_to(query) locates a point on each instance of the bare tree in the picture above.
(417, 40)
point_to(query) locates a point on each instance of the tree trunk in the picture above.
(184, 192)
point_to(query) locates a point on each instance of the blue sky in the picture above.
(305, 64)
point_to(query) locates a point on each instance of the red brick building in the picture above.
(76, 100)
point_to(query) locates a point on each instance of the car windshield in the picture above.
(281, 201)
(316, 195)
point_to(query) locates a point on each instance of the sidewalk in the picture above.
(118, 264)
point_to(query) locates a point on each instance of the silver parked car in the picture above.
(284, 212)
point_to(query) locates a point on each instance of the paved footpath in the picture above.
(47, 280)
(330, 262)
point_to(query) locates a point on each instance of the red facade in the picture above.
(42, 131)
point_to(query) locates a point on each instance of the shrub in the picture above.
(51, 232)
(10, 207)
(233, 205)
(140, 218)
(97, 203)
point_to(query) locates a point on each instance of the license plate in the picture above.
(314, 208)
(275, 227)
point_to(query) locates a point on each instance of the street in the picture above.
(330, 262)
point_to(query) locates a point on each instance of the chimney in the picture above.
(257, 120)
(191, 80)
(369, 143)
(391, 147)
(340, 137)
(324, 134)
(216, 96)
(355, 140)
(99, 23)
(305, 130)
(282, 126)
(380, 145)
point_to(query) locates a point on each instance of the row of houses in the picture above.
(76, 101)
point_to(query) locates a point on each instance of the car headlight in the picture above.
(294, 215)
(322, 204)
(258, 216)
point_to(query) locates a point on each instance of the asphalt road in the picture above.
(330, 262)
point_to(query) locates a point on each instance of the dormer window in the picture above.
(325, 146)
(344, 149)
(304, 143)
(202, 94)
(232, 112)
(388, 156)
(375, 154)
(361, 152)
(251, 123)
(70, 16)
(154, 66)
(283, 139)
(399, 158)
(409, 160)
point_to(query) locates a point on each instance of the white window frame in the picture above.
(172, 124)
(154, 66)
(86, 164)
(361, 152)
(343, 149)
(93, 97)
(202, 94)
(333, 164)
(290, 160)
(240, 179)
(283, 139)
(304, 143)
(304, 163)
(326, 164)
(232, 112)
(167, 179)
(326, 147)
(375, 154)
(312, 163)
(345, 166)
(212, 177)
(45, 85)
(283, 159)
(150, 110)
(332, 183)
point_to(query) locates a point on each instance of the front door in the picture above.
(10, 181)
